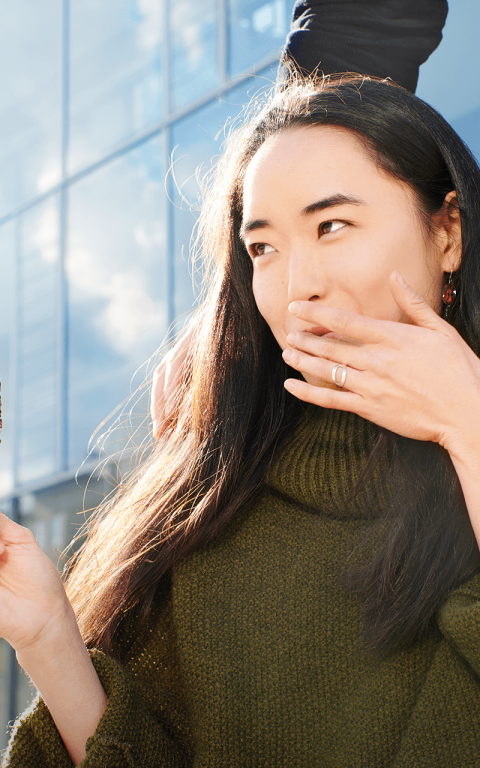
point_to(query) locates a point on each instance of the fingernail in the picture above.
(292, 338)
(287, 355)
(400, 280)
(294, 307)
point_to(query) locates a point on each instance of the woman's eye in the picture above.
(327, 227)
(260, 249)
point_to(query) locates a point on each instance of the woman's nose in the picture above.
(304, 281)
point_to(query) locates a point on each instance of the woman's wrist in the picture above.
(62, 670)
(463, 446)
(463, 439)
(59, 639)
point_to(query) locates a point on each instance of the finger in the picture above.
(341, 321)
(173, 376)
(157, 403)
(166, 386)
(2, 534)
(330, 349)
(7, 526)
(412, 304)
(13, 533)
(319, 368)
(326, 398)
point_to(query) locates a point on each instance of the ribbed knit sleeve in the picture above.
(383, 38)
(459, 621)
(127, 736)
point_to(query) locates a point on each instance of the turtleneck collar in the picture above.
(322, 461)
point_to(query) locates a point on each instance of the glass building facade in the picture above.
(106, 111)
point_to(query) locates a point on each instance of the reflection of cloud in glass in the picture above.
(256, 30)
(45, 235)
(192, 42)
(149, 31)
(131, 313)
(116, 80)
(150, 234)
(48, 174)
(36, 381)
(188, 19)
(270, 18)
(30, 99)
(88, 274)
(117, 284)
(116, 259)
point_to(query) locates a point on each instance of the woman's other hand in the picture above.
(166, 385)
(36, 618)
(33, 602)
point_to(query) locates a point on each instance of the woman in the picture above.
(376, 39)
(288, 584)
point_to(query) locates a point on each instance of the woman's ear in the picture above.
(450, 233)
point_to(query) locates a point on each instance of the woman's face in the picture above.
(323, 223)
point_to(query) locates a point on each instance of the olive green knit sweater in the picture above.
(254, 658)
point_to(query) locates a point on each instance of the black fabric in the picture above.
(383, 38)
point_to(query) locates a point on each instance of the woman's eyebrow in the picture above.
(330, 202)
(320, 205)
(249, 226)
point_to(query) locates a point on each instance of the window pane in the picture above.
(257, 29)
(116, 74)
(37, 386)
(194, 29)
(449, 80)
(198, 146)
(56, 514)
(117, 276)
(7, 256)
(198, 141)
(30, 99)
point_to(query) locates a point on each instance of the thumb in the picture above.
(412, 304)
(11, 532)
(5, 524)
(157, 402)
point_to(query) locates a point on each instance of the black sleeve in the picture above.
(383, 38)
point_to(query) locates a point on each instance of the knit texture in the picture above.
(127, 735)
(253, 659)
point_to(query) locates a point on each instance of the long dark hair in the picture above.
(235, 413)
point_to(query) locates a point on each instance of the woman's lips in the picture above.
(325, 332)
